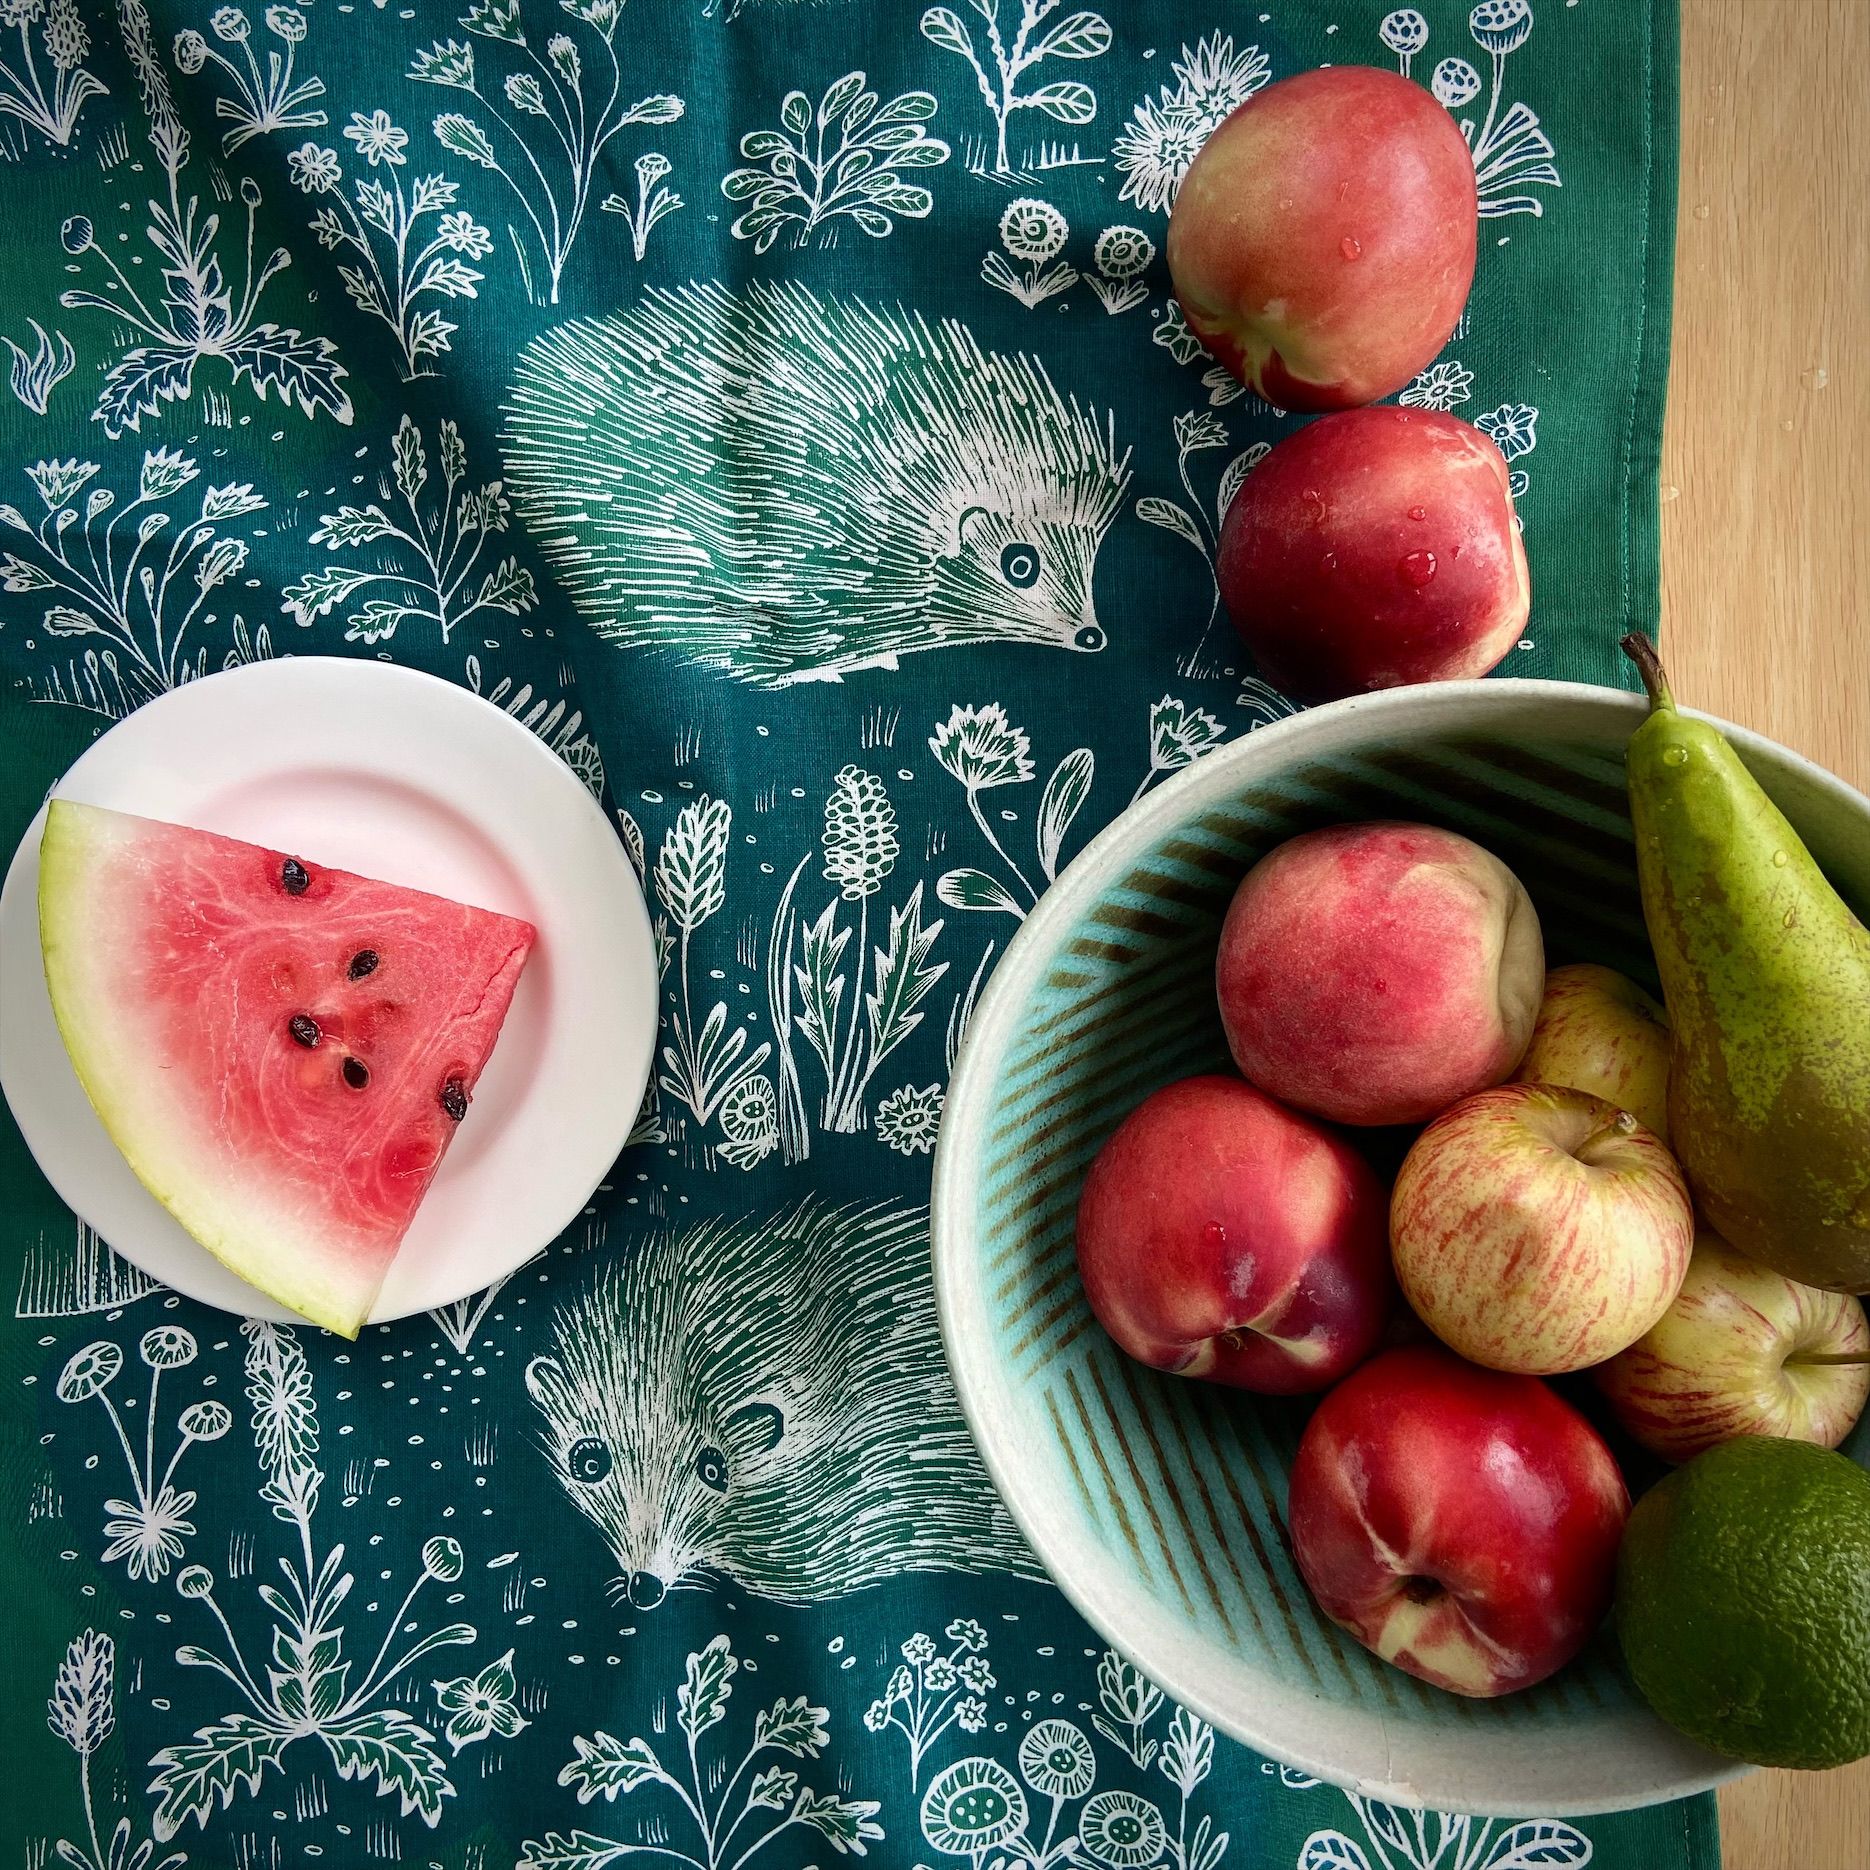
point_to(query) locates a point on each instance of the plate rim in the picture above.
(960, 1308)
(430, 689)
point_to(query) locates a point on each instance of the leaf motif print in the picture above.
(1065, 793)
(399, 1754)
(219, 1761)
(793, 1727)
(578, 1851)
(608, 1766)
(903, 977)
(1540, 1844)
(701, 1700)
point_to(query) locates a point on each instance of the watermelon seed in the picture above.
(356, 1073)
(304, 1029)
(295, 877)
(454, 1099)
(363, 962)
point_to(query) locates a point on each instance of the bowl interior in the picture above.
(1159, 1504)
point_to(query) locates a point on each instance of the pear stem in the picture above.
(1642, 652)
(1858, 1358)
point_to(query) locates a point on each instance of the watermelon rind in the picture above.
(271, 1247)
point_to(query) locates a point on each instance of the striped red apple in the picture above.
(1539, 1229)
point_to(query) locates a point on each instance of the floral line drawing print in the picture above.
(444, 538)
(837, 161)
(652, 203)
(710, 1799)
(1511, 151)
(306, 1691)
(1445, 385)
(1119, 260)
(150, 1529)
(1513, 428)
(549, 170)
(1178, 736)
(929, 1692)
(557, 723)
(1199, 523)
(197, 316)
(263, 103)
(702, 1067)
(97, 582)
(1153, 150)
(1429, 1840)
(896, 488)
(1033, 231)
(1006, 55)
(909, 1118)
(82, 1712)
(66, 45)
(806, 958)
(1127, 1703)
(976, 1808)
(1263, 703)
(34, 377)
(413, 266)
(982, 749)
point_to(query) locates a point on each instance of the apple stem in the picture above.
(1642, 652)
(1621, 1125)
(1858, 1358)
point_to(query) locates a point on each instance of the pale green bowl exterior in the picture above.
(1159, 1504)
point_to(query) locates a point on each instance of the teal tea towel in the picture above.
(890, 512)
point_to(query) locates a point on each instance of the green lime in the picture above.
(1743, 1602)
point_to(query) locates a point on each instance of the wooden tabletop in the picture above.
(1766, 504)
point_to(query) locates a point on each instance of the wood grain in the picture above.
(1766, 505)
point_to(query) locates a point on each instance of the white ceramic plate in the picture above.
(393, 774)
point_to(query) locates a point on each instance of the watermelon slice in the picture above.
(282, 1052)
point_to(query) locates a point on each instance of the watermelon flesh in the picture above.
(282, 1051)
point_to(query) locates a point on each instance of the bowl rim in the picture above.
(1688, 1769)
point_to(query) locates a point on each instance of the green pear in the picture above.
(1767, 977)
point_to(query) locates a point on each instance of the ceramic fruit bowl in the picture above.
(1158, 1504)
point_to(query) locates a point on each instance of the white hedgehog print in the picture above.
(765, 1400)
(787, 487)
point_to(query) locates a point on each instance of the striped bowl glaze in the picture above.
(1158, 1504)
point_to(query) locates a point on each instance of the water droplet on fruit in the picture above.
(1351, 247)
(356, 1073)
(1214, 1235)
(1674, 756)
(304, 1029)
(1418, 568)
(454, 1099)
(1790, 919)
(1780, 860)
(1329, 562)
(1418, 512)
(296, 878)
(363, 962)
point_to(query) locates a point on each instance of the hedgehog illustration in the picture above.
(788, 487)
(766, 1401)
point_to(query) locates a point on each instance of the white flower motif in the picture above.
(1440, 386)
(1179, 734)
(939, 1675)
(287, 22)
(1455, 83)
(168, 1347)
(877, 1716)
(970, 1714)
(463, 234)
(313, 169)
(1500, 26)
(750, 1121)
(908, 1119)
(982, 748)
(1122, 1830)
(482, 1704)
(919, 1649)
(149, 1532)
(977, 1673)
(89, 1371)
(1056, 1760)
(1031, 229)
(1161, 139)
(377, 138)
(81, 1710)
(205, 1421)
(1405, 31)
(57, 481)
(1122, 252)
(165, 471)
(968, 1633)
(191, 52)
(1513, 428)
(230, 23)
(972, 1807)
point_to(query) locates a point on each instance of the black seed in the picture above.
(454, 1099)
(363, 962)
(356, 1073)
(295, 877)
(304, 1029)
